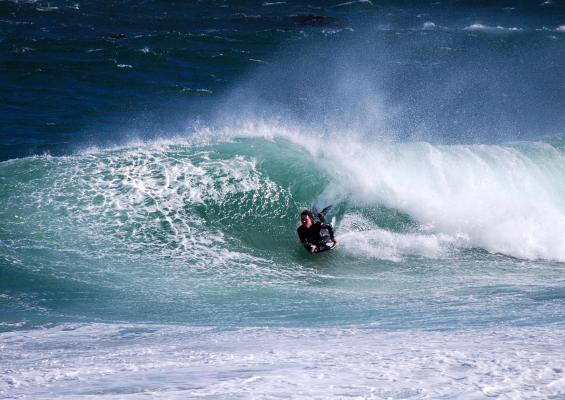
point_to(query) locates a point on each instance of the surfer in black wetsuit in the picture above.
(310, 235)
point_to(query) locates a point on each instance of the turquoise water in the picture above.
(172, 269)
(203, 232)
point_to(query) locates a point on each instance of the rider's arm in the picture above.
(330, 230)
(301, 237)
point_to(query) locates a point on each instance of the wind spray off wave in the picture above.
(505, 199)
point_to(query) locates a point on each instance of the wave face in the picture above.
(203, 230)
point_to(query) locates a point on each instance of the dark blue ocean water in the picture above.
(75, 73)
(155, 155)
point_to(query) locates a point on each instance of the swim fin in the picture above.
(322, 214)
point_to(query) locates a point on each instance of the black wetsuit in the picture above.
(312, 236)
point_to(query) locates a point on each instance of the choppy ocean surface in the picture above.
(154, 158)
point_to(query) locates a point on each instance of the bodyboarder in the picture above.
(314, 234)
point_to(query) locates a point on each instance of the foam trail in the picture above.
(359, 237)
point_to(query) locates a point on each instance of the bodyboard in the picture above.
(329, 246)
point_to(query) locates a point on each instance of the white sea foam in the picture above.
(142, 182)
(361, 238)
(486, 28)
(198, 90)
(136, 361)
(505, 199)
(498, 197)
(350, 3)
(47, 8)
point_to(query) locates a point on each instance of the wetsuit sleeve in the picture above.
(301, 236)
(330, 230)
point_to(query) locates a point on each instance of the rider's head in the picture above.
(306, 218)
